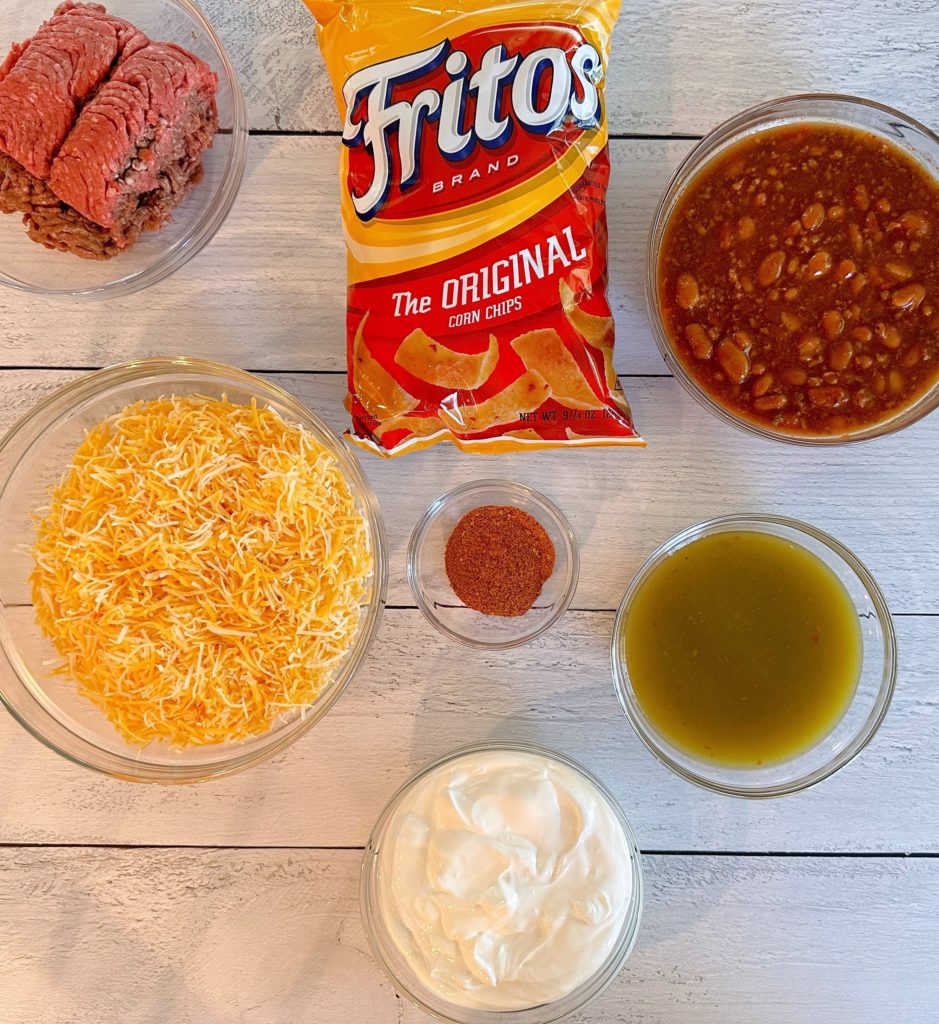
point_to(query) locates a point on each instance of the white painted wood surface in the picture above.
(274, 937)
(404, 709)
(680, 66)
(622, 506)
(269, 291)
(92, 933)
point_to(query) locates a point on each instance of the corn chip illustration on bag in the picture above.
(474, 170)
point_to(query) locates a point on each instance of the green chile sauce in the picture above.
(743, 648)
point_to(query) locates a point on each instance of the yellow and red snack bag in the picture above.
(474, 172)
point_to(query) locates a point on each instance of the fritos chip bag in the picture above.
(474, 170)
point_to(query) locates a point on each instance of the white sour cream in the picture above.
(505, 878)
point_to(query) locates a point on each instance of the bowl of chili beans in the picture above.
(793, 270)
(493, 564)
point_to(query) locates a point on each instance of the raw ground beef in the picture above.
(137, 145)
(101, 131)
(44, 81)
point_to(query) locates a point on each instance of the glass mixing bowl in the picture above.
(848, 736)
(396, 965)
(33, 458)
(31, 267)
(427, 572)
(918, 142)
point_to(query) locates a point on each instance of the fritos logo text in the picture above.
(465, 106)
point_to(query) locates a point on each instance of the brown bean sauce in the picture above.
(799, 278)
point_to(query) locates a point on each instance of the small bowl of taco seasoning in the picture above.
(793, 270)
(493, 564)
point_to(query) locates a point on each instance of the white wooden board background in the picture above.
(237, 901)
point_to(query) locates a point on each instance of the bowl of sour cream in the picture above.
(502, 883)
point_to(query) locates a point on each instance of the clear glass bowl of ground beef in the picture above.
(493, 564)
(134, 92)
(792, 274)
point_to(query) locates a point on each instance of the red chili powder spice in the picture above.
(497, 560)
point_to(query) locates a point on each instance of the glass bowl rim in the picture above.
(126, 766)
(762, 523)
(749, 121)
(588, 990)
(510, 487)
(207, 227)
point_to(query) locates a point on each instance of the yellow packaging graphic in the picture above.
(474, 171)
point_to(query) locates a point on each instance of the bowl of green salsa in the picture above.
(754, 655)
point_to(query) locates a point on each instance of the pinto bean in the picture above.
(908, 297)
(858, 284)
(845, 270)
(770, 403)
(915, 225)
(809, 347)
(770, 268)
(813, 216)
(699, 341)
(840, 355)
(911, 357)
(898, 270)
(761, 385)
(734, 362)
(887, 335)
(832, 323)
(687, 292)
(819, 264)
(828, 397)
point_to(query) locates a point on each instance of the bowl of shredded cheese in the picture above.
(195, 570)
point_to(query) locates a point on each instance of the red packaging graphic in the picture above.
(474, 173)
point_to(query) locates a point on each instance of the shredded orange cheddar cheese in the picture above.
(200, 569)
